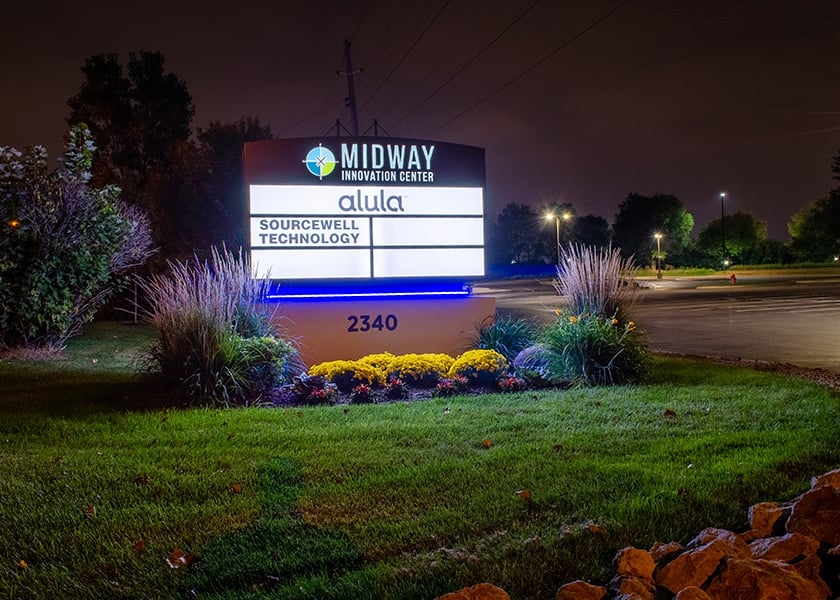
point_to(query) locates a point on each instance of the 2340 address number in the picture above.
(363, 323)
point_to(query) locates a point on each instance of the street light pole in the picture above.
(722, 227)
(565, 216)
(658, 237)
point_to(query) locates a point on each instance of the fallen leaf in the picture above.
(300, 413)
(346, 410)
(178, 559)
(22, 564)
(237, 488)
(487, 443)
(524, 494)
(670, 414)
(139, 546)
(595, 528)
(90, 510)
(58, 459)
(231, 435)
(598, 404)
(558, 447)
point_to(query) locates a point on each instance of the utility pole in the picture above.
(351, 91)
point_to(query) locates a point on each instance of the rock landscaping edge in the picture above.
(791, 551)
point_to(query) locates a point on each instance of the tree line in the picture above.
(523, 234)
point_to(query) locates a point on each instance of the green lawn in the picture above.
(101, 482)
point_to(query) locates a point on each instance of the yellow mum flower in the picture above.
(573, 319)
(631, 326)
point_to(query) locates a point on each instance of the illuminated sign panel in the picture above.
(365, 208)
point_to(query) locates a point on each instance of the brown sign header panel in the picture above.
(363, 161)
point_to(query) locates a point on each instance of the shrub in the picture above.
(593, 350)
(215, 341)
(395, 389)
(421, 370)
(511, 383)
(597, 281)
(450, 386)
(480, 367)
(506, 334)
(597, 343)
(346, 374)
(313, 390)
(64, 244)
(361, 394)
(381, 362)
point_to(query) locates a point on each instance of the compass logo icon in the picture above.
(320, 161)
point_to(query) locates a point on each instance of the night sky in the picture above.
(574, 101)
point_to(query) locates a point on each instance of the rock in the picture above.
(738, 547)
(766, 518)
(692, 592)
(580, 590)
(816, 513)
(748, 579)
(631, 588)
(633, 562)
(785, 548)
(693, 567)
(660, 552)
(482, 591)
(795, 549)
(830, 479)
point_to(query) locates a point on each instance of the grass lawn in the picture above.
(102, 483)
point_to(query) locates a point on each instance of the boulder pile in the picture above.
(791, 551)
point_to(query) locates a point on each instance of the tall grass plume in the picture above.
(216, 339)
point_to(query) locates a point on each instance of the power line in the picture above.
(467, 64)
(407, 52)
(310, 117)
(534, 66)
(392, 49)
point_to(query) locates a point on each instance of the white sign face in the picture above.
(365, 208)
(318, 232)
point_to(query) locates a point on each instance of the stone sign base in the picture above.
(348, 329)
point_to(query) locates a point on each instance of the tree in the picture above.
(515, 237)
(63, 243)
(591, 230)
(745, 236)
(640, 217)
(220, 146)
(815, 230)
(137, 121)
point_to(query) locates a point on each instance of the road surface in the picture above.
(787, 319)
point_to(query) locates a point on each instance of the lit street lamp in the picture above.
(658, 237)
(565, 216)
